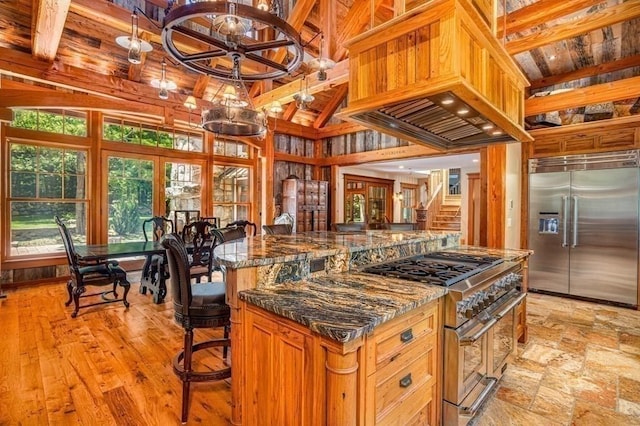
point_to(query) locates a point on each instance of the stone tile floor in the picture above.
(581, 366)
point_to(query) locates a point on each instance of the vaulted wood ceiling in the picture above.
(582, 57)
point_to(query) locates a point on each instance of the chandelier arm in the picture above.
(267, 45)
(204, 55)
(266, 61)
(198, 36)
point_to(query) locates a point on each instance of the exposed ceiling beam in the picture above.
(356, 20)
(49, 23)
(290, 112)
(296, 19)
(409, 151)
(331, 106)
(608, 92)
(604, 18)
(284, 94)
(540, 12)
(13, 62)
(620, 64)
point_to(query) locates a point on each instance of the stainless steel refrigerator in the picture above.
(583, 226)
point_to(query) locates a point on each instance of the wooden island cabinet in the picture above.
(293, 376)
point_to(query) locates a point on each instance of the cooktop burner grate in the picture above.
(441, 268)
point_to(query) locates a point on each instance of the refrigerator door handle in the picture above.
(565, 203)
(575, 221)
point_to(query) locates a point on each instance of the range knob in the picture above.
(468, 313)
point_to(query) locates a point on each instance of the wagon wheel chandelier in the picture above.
(198, 34)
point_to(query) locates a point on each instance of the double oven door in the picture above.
(475, 357)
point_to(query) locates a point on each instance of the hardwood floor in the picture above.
(108, 366)
(112, 366)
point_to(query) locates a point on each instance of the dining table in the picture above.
(155, 283)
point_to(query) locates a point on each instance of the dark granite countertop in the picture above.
(270, 249)
(343, 306)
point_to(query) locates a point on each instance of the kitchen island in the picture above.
(315, 341)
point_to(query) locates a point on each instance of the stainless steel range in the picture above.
(479, 321)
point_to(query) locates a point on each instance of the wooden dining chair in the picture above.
(244, 224)
(81, 275)
(154, 271)
(198, 305)
(198, 235)
(281, 229)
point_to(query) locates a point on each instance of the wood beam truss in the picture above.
(50, 16)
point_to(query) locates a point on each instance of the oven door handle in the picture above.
(470, 340)
(471, 410)
(510, 305)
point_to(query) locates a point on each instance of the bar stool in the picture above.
(199, 305)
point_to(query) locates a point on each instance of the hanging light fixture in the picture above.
(135, 44)
(321, 63)
(162, 83)
(303, 98)
(233, 113)
(229, 28)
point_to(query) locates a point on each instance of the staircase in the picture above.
(447, 218)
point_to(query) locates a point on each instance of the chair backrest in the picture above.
(285, 219)
(224, 235)
(244, 224)
(200, 235)
(159, 227)
(346, 227)
(69, 248)
(213, 219)
(178, 261)
(282, 229)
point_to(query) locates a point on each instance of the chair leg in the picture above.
(70, 291)
(225, 349)
(126, 286)
(77, 292)
(188, 347)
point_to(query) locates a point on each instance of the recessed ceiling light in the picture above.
(488, 126)
(496, 132)
(463, 111)
(475, 160)
(552, 57)
(447, 101)
(401, 167)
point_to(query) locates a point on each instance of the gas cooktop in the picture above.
(440, 268)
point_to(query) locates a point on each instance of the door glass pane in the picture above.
(377, 204)
(183, 187)
(130, 185)
(231, 193)
(408, 204)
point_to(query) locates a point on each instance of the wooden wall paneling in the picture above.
(96, 216)
(4, 194)
(473, 211)
(496, 182)
(267, 163)
(524, 199)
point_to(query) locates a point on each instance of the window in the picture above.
(117, 130)
(54, 121)
(454, 181)
(229, 148)
(45, 181)
(183, 191)
(130, 184)
(231, 193)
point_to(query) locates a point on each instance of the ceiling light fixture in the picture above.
(134, 43)
(228, 29)
(162, 83)
(321, 63)
(303, 98)
(233, 113)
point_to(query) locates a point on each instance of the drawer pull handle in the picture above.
(406, 381)
(406, 336)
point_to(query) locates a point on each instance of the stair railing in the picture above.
(433, 204)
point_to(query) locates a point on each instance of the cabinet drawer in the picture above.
(392, 390)
(404, 331)
(416, 409)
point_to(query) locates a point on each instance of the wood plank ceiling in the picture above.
(582, 57)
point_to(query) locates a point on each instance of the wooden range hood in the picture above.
(412, 77)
